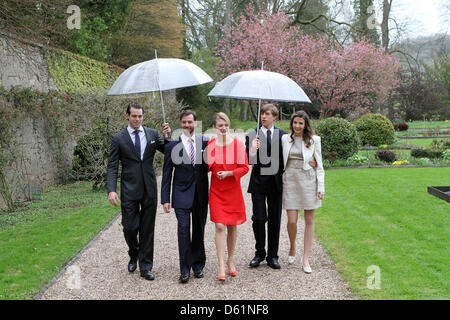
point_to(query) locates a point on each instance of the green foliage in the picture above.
(385, 155)
(425, 153)
(446, 155)
(90, 156)
(375, 129)
(93, 40)
(74, 73)
(440, 145)
(339, 138)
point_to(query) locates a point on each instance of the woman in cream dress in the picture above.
(303, 186)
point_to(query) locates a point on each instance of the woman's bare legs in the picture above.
(309, 234)
(231, 244)
(220, 239)
(292, 230)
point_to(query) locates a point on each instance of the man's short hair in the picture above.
(135, 105)
(188, 112)
(270, 107)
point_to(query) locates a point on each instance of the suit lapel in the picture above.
(148, 137)
(184, 154)
(198, 149)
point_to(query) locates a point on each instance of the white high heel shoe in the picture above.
(306, 269)
(291, 259)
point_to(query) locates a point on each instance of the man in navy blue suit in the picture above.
(183, 159)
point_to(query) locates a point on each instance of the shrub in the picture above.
(446, 154)
(425, 153)
(90, 156)
(440, 145)
(375, 129)
(385, 155)
(401, 126)
(339, 138)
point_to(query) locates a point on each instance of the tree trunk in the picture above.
(385, 23)
(244, 112)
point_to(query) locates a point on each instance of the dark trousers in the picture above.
(191, 250)
(138, 219)
(270, 214)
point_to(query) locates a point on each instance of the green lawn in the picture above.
(386, 218)
(38, 240)
(419, 142)
(428, 124)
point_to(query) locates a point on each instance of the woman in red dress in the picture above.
(227, 160)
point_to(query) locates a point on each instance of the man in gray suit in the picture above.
(135, 148)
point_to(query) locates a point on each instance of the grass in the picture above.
(38, 240)
(428, 124)
(386, 218)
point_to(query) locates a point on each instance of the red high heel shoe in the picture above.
(232, 273)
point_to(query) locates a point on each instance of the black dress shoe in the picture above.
(199, 274)
(147, 274)
(255, 262)
(132, 265)
(273, 263)
(184, 278)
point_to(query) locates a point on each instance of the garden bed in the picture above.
(442, 192)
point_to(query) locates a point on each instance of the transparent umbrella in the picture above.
(259, 85)
(159, 74)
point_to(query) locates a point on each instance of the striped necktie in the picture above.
(191, 151)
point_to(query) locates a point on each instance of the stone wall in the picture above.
(31, 65)
(22, 64)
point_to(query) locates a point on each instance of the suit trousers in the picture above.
(271, 215)
(191, 250)
(138, 219)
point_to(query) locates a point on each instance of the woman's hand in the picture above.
(223, 174)
(320, 195)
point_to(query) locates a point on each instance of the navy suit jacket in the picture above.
(188, 179)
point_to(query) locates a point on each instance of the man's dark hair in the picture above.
(188, 112)
(135, 105)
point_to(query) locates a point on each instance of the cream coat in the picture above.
(314, 151)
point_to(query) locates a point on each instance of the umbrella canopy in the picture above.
(158, 75)
(259, 85)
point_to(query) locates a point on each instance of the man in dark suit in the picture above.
(265, 185)
(135, 148)
(183, 159)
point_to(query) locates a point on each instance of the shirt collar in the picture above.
(131, 130)
(264, 129)
(185, 137)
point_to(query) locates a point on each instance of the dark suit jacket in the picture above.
(136, 173)
(188, 180)
(263, 174)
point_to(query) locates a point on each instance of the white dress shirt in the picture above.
(142, 137)
(264, 131)
(187, 145)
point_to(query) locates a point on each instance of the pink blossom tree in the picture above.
(350, 78)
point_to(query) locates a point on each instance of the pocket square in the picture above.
(153, 141)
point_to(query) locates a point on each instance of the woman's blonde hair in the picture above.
(221, 116)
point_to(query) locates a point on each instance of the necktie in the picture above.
(191, 152)
(269, 143)
(137, 142)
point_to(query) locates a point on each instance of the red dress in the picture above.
(226, 202)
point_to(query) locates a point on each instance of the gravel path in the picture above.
(101, 268)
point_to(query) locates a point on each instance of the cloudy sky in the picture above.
(422, 17)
